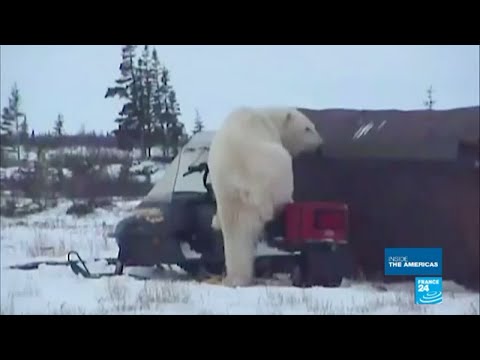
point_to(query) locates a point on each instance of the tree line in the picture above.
(15, 132)
(149, 115)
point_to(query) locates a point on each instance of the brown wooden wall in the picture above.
(401, 204)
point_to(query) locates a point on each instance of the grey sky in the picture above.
(73, 79)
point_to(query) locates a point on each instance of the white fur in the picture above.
(250, 163)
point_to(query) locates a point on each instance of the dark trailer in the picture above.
(410, 179)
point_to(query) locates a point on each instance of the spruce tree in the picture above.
(165, 117)
(128, 88)
(150, 113)
(10, 126)
(173, 128)
(148, 79)
(176, 128)
(430, 101)
(24, 137)
(158, 136)
(198, 125)
(58, 128)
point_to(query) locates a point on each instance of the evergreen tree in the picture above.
(128, 88)
(429, 102)
(151, 110)
(148, 80)
(24, 130)
(174, 129)
(158, 136)
(24, 136)
(58, 128)
(10, 126)
(164, 118)
(198, 125)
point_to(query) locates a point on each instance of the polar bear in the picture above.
(250, 163)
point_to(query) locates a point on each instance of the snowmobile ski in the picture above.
(34, 265)
(79, 267)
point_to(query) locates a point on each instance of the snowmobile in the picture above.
(307, 240)
(172, 226)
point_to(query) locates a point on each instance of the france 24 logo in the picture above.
(428, 290)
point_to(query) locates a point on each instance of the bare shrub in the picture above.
(315, 306)
(93, 155)
(42, 247)
(65, 309)
(8, 307)
(473, 308)
(279, 299)
(154, 295)
(8, 208)
(116, 300)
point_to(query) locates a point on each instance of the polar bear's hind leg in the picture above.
(241, 228)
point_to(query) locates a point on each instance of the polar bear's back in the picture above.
(244, 133)
(246, 156)
(251, 125)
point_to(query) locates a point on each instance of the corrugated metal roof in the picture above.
(427, 134)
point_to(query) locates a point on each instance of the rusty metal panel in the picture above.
(401, 203)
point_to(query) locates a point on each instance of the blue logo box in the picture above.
(413, 261)
(428, 290)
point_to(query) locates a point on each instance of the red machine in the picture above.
(315, 222)
(317, 234)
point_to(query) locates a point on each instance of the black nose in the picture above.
(319, 150)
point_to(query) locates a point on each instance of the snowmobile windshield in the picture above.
(173, 181)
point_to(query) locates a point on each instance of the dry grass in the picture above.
(473, 308)
(8, 307)
(65, 309)
(42, 245)
(55, 240)
(305, 301)
(152, 296)
(54, 235)
(124, 297)
(116, 299)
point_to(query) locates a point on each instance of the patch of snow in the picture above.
(56, 290)
(188, 252)
(85, 150)
(67, 173)
(144, 167)
(12, 172)
(264, 249)
(139, 178)
(113, 170)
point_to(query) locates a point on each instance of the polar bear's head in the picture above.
(298, 133)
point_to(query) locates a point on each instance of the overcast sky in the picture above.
(72, 79)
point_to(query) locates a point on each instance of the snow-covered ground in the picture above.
(56, 290)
